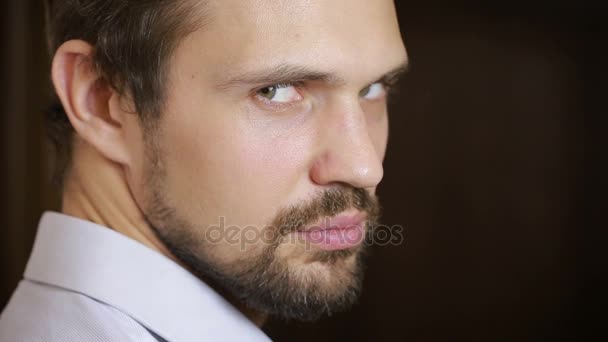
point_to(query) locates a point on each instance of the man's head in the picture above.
(249, 134)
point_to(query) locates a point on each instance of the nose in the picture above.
(352, 151)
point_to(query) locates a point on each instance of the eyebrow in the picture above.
(289, 73)
(393, 76)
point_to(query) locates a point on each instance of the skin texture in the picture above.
(220, 150)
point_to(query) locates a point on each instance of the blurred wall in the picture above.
(494, 170)
(23, 173)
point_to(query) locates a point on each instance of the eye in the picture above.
(279, 94)
(374, 91)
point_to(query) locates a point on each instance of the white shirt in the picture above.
(85, 282)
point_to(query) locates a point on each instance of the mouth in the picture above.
(337, 232)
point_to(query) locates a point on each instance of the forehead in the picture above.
(350, 38)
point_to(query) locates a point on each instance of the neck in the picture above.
(96, 190)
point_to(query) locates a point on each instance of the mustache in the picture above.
(327, 204)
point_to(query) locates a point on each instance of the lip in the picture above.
(336, 222)
(337, 232)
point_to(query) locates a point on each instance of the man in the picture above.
(218, 161)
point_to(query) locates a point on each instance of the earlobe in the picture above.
(85, 97)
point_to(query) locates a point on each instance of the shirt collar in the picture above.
(101, 263)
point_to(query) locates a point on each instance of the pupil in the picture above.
(268, 92)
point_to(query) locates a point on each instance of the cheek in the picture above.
(224, 165)
(268, 168)
(274, 162)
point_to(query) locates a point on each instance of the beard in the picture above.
(263, 279)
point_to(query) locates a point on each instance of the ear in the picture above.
(87, 98)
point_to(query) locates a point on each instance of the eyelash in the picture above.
(277, 106)
(389, 85)
(281, 85)
(391, 88)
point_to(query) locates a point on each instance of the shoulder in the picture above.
(39, 312)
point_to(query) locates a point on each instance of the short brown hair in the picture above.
(132, 40)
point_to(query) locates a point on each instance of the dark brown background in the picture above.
(495, 169)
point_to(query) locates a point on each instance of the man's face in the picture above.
(275, 125)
